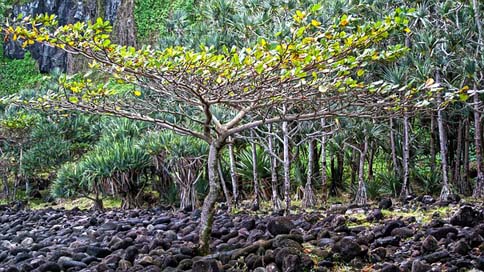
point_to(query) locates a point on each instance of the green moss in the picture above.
(421, 216)
(81, 203)
(17, 74)
(150, 17)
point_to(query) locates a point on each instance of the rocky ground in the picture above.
(418, 236)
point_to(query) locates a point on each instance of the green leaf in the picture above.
(316, 7)
(73, 99)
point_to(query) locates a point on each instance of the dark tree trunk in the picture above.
(332, 166)
(370, 161)
(336, 183)
(98, 204)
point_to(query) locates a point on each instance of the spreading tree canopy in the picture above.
(316, 71)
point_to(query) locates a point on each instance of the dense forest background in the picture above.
(430, 145)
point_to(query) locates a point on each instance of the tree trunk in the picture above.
(456, 177)
(340, 159)
(370, 161)
(233, 175)
(6, 189)
(276, 202)
(185, 196)
(338, 176)
(287, 168)
(465, 187)
(444, 194)
(255, 205)
(479, 188)
(208, 208)
(393, 148)
(354, 166)
(98, 204)
(309, 199)
(224, 186)
(406, 154)
(20, 176)
(332, 166)
(361, 196)
(130, 201)
(324, 178)
(432, 143)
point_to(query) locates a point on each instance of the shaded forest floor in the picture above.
(416, 236)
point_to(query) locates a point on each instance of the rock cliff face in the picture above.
(119, 12)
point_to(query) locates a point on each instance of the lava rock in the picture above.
(442, 232)
(385, 203)
(66, 263)
(390, 268)
(427, 199)
(208, 265)
(419, 266)
(453, 198)
(429, 244)
(390, 226)
(461, 247)
(375, 215)
(22, 257)
(348, 249)
(436, 256)
(388, 241)
(280, 225)
(272, 268)
(467, 216)
(49, 267)
(248, 224)
(403, 232)
(98, 252)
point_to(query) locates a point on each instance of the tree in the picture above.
(313, 70)
(183, 158)
(479, 188)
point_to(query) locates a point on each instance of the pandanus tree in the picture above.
(314, 70)
(183, 158)
(118, 167)
(71, 182)
(114, 168)
(250, 162)
(15, 127)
